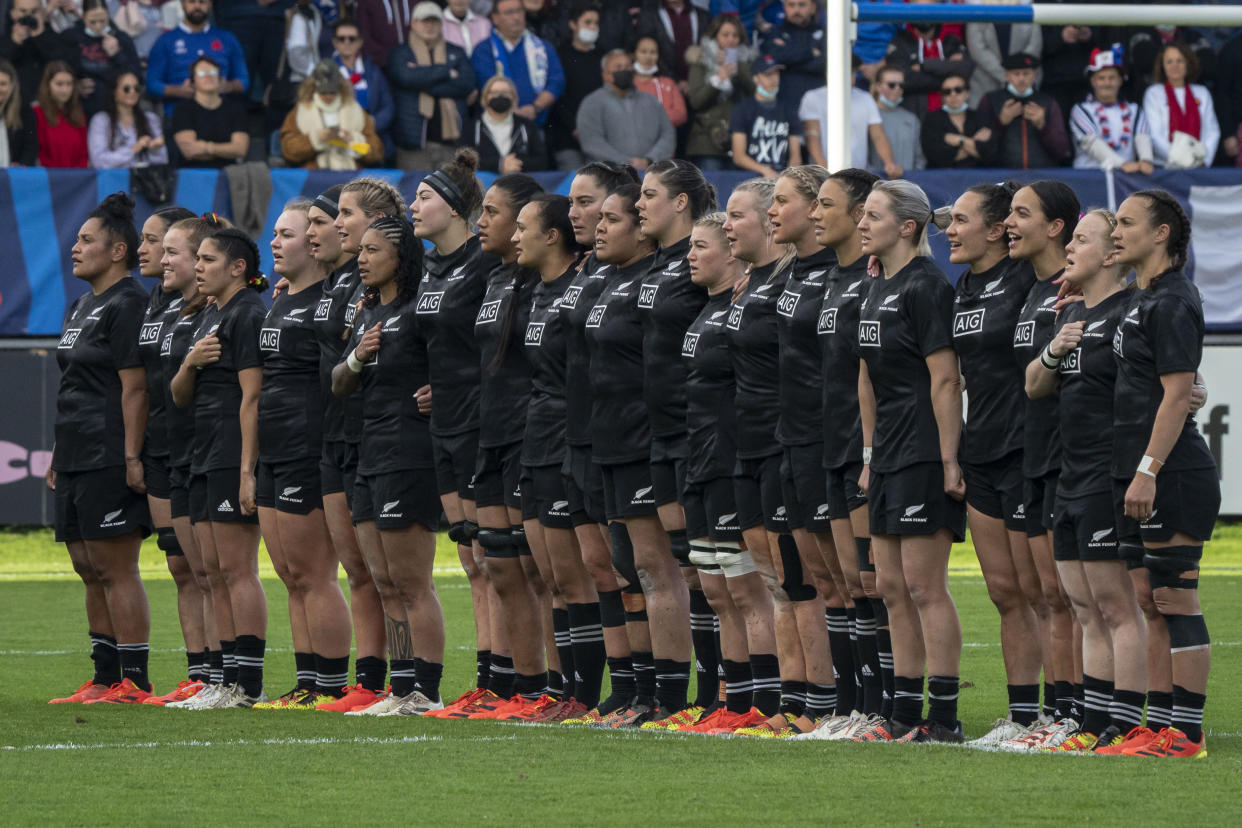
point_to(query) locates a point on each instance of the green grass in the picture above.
(138, 766)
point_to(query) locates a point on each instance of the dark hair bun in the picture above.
(118, 204)
(467, 158)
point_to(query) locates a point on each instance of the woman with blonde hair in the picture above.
(328, 130)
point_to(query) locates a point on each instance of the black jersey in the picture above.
(620, 428)
(217, 391)
(1041, 446)
(1162, 333)
(1088, 374)
(504, 391)
(710, 419)
(100, 338)
(838, 338)
(334, 318)
(667, 302)
(178, 336)
(802, 393)
(449, 297)
(985, 316)
(395, 436)
(576, 304)
(902, 321)
(291, 399)
(546, 341)
(161, 314)
(755, 354)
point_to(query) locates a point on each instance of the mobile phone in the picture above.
(730, 55)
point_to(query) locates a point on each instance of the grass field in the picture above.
(106, 765)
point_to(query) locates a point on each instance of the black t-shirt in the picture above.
(214, 125)
(768, 126)
(217, 390)
(546, 341)
(755, 353)
(576, 304)
(504, 392)
(620, 424)
(667, 302)
(838, 337)
(802, 393)
(709, 393)
(449, 296)
(334, 317)
(99, 340)
(395, 437)
(902, 321)
(1162, 333)
(1041, 445)
(178, 335)
(985, 315)
(161, 314)
(1088, 374)
(291, 399)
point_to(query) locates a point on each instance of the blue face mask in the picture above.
(892, 103)
(955, 110)
(765, 94)
(1015, 93)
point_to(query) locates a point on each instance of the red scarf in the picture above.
(1183, 120)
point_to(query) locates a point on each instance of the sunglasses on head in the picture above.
(952, 90)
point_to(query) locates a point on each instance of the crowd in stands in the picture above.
(552, 84)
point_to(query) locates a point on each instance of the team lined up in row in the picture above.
(732, 392)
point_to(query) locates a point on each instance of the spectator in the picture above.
(620, 124)
(209, 129)
(1066, 52)
(1184, 129)
(19, 141)
(432, 79)
(618, 21)
(766, 134)
(955, 135)
(123, 135)
(1228, 96)
(463, 28)
(59, 119)
(143, 20)
(989, 44)
(871, 45)
(173, 55)
(506, 142)
(302, 33)
(1147, 43)
(1108, 131)
(647, 78)
(257, 24)
(676, 26)
(531, 63)
(866, 126)
(383, 24)
(719, 78)
(367, 78)
(580, 62)
(29, 45)
(62, 15)
(798, 45)
(542, 20)
(927, 52)
(328, 129)
(97, 51)
(900, 125)
(1027, 123)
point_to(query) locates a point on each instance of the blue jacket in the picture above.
(513, 66)
(795, 47)
(409, 80)
(379, 98)
(174, 51)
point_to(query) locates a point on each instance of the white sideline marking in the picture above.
(325, 740)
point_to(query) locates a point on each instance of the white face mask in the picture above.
(588, 36)
(639, 69)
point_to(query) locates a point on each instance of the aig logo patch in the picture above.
(596, 316)
(166, 345)
(69, 337)
(1072, 362)
(869, 334)
(647, 295)
(788, 303)
(488, 312)
(827, 321)
(689, 344)
(968, 322)
(734, 322)
(269, 339)
(150, 333)
(1024, 335)
(534, 334)
(350, 310)
(570, 298)
(429, 303)
(323, 309)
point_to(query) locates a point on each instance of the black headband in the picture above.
(326, 204)
(448, 191)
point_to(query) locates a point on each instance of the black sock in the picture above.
(196, 665)
(249, 655)
(332, 674)
(229, 649)
(530, 687)
(403, 677)
(869, 657)
(1050, 700)
(703, 633)
(765, 673)
(907, 700)
(793, 697)
(738, 688)
(501, 681)
(564, 651)
(427, 675)
(1065, 700)
(1023, 703)
(821, 699)
(672, 683)
(1080, 706)
(586, 634)
(942, 692)
(369, 671)
(1126, 710)
(644, 677)
(304, 664)
(621, 679)
(555, 684)
(1159, 710)
(884, 653)
(107, 662)
(215, 666)
(134, 659)
(1188, 712)
(856, 655)
(1097, 698)
(482, 668)
(842, 657)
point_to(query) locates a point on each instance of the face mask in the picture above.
(892, 103)
(644, 70)
(623, 79)
(92, 33)
(766, 94)
(500, 104)
(588, 36)
(954, 110)
(1015, 93)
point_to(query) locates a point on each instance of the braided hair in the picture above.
(807, 180)
(197, 228)
(678, 177)
(1163, 208)
(235, 244)
(116, 219)
(172, 214)
(375, 197)
(608, 175)
(857, 184)
(398, 232)
(1058, 201)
